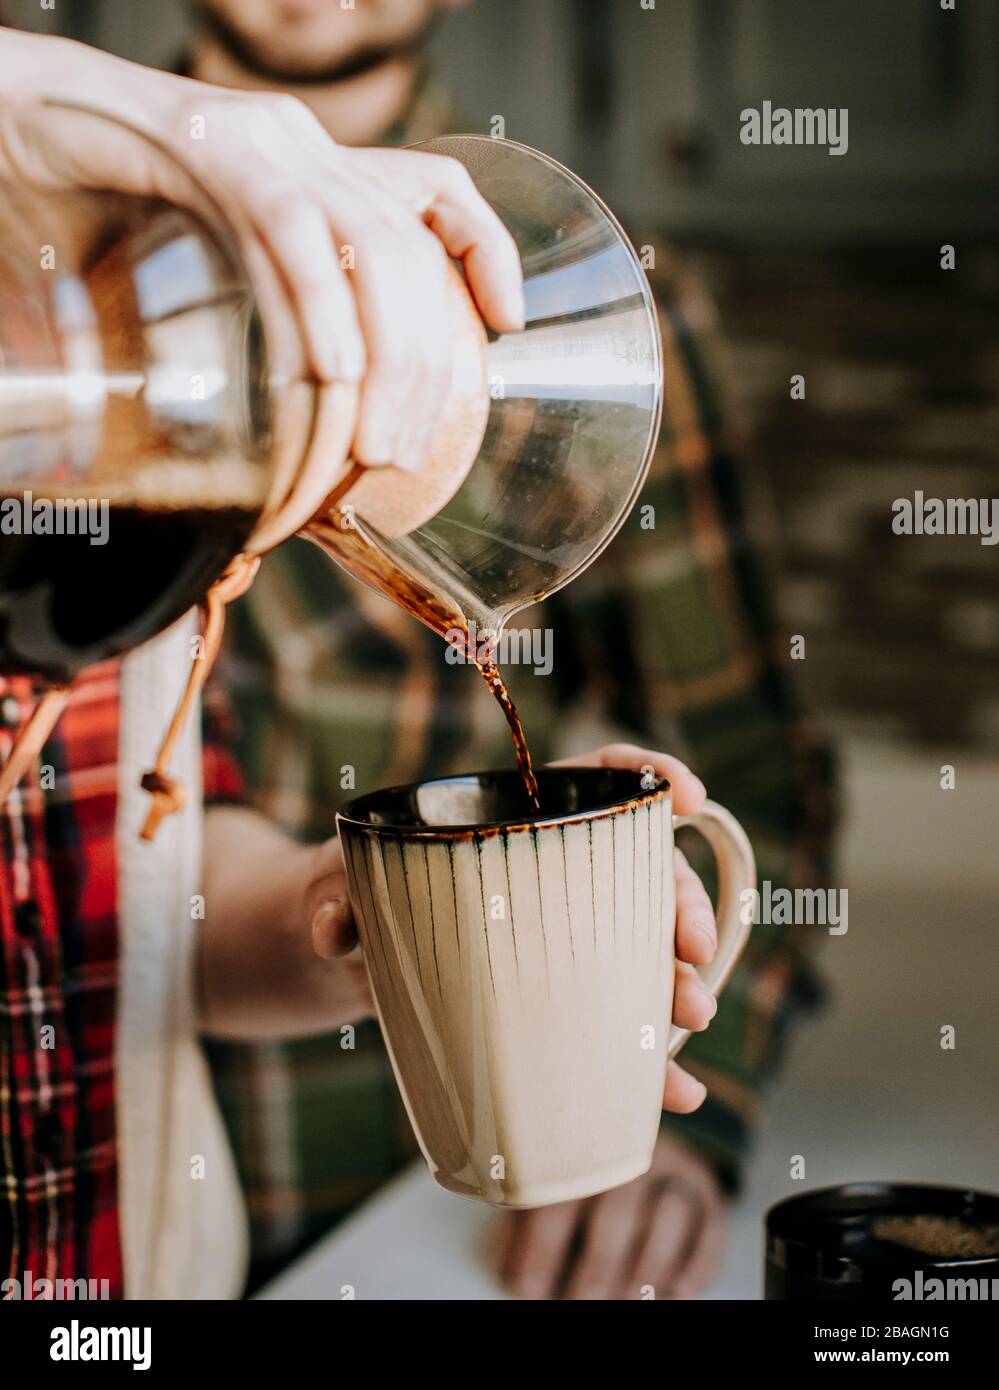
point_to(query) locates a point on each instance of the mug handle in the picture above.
(736, 875)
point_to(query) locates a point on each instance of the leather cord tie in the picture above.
(169, 795)
(32, 738)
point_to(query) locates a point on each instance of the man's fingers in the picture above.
(696, 933)
(327, 905)
(704, 1257)
(443, 193)
(332, 926)
(298, 236)
(472, 233)
(610, 1231)
(683, 1093)
(670, 1231)
(536, 1250)
(497, 1240)
(694, 1006)
(688, 791)
(401, 291)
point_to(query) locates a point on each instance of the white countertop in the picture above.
(413, 1240)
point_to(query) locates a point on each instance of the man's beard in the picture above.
(246, 53)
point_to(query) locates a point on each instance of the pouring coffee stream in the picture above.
(338, 538)
(540, 451)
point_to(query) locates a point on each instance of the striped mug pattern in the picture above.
(522, 969)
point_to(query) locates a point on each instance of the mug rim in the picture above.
(349, 816)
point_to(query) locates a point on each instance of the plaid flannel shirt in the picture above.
(669, 639)
(59, 953)
(58, 1217)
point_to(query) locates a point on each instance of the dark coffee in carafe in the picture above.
(122, 574)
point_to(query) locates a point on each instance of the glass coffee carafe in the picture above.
(158, 432)
(573, 410)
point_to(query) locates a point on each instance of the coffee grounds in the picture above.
(942, 1237)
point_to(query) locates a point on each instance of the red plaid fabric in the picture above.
(57, 993)
(58, 986)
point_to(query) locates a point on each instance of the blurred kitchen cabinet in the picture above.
(144, 31)
(921, 85)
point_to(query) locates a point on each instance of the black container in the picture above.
(861, 1241)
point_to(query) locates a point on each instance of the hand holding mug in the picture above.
(524, 966)
(694, 1005)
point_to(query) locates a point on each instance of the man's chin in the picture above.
(280, 66)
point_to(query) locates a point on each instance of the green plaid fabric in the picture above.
(669, 639)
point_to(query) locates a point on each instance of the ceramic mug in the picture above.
(522, 968)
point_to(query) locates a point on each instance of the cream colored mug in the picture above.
(522, 969)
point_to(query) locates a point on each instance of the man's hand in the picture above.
(259, 976)
(301, 198)
(696, 937)
(664, 1232)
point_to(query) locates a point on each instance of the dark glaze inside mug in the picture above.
(489, 800)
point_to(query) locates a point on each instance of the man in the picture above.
(669, 638)
(116, 956)
(99, 942)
